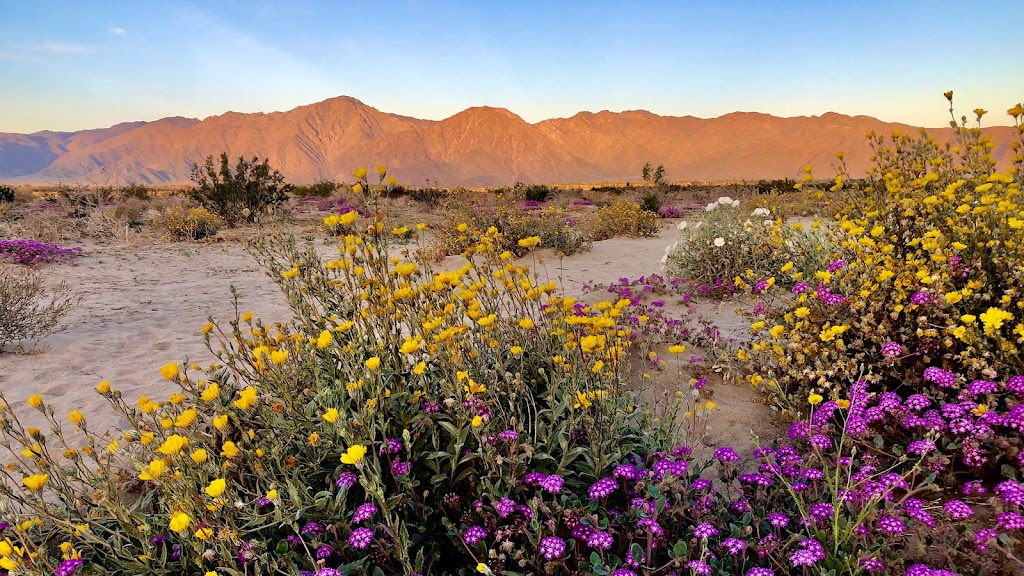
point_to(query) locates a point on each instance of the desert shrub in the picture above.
(133, 191)
(921, 288)
(239, 194)
(31, 252)
(623, 218)
(180, 224)
(407, 406)
(431, 197)
(319, 189)
(6, 194)
(513, 221)
(729, 244)
(651, 202)
(534, 192)
(771, 187)
(29, 309)
(671, 211)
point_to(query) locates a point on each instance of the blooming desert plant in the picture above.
(30, 252)
(193, 224)
(345, 439)
(729, 243)
(623, 218)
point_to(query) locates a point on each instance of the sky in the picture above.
(74, 65)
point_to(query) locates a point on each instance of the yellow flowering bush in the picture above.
(396, 396)
(623, 218)
(514, 219)
(923, 272)
(180, 225)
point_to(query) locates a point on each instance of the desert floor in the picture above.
(143, 306)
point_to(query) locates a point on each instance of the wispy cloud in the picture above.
(58, 48)
(118, 31)
(13, 57)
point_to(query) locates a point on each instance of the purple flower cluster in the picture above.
(892, 349)
(552, 547)
(726, 454)
(30, 252)
(939, 376)
(346, 480)
(824, 293)
(68, 567)
(360, 538)
(602, 488)
(920, 298)
(810, 552)
(364, 512)
(474, 534)
(552, 483)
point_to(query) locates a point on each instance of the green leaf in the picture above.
(636, 553)
(679, 549)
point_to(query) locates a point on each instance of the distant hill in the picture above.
(480, 146)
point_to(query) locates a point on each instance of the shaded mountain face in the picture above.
(477, 147)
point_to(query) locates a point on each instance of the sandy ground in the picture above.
(143, 306)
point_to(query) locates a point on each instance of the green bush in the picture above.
(6, 194)
(535, 193)
(651, 202)
(319, 189)
(239, 194)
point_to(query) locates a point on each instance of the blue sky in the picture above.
(73, 65)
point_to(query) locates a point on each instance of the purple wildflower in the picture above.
(891, 525)
(734, 545)
(346, 480)
(68, 567)
(810, 552)
(599, 539)
(602, 488)
(474, 534)
(552, 484)
(726, 454)
(314, 528)
(705, 530)
(892, 349)
(360, 538)
(552, 547)
(699, 567)
(957, 510)
(364, 512)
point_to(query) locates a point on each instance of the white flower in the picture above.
(768, 223)
(711, 207)
(723, 200)
(735, 203)
(761, 212)
(682, 225)
(719, 241)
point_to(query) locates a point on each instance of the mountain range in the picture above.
(480, 146)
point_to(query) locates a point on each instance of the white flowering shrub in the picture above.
(731, 242)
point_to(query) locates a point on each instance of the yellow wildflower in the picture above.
(354, 454)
